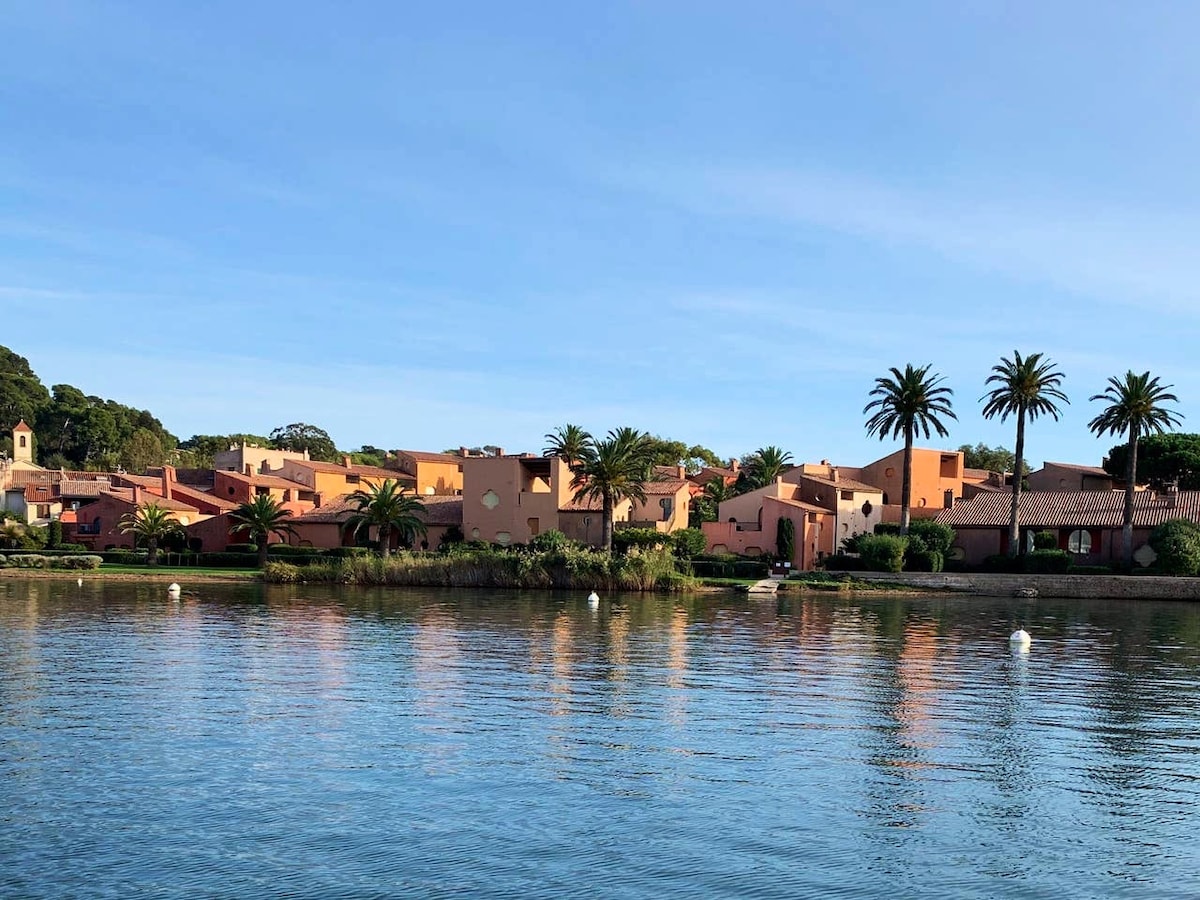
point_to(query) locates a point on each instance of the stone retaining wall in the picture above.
(1135, 587)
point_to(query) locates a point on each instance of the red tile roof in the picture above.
(126, 494)
(843, 484)
(1058, 509)
(423, 456)
(269, 481)
(39, 493)
(443, 510)
(1086, 470)
(664, 488)
(799, 504)
(363, 471)
(336, 510)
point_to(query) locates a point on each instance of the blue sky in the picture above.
(429, 225)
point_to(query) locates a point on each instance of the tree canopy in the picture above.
(1162, 459)
(300, 436)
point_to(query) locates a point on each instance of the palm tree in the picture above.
(12, 533)
(906, 403)
(768, 463)
(1027, 388)
(614, 469)
(262, 517)
(568, 443)
(1134, 406)
(386, 507)
(149, 524)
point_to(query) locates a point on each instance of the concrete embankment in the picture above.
(1135, 587)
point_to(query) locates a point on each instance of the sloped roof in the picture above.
(336, 511)
(843, 484)
(126, 494)
(364, 471)
(708, 473)
(799, 504)
(423, 456)
(976, 474)
(665, 487)
(39, 493)
(443, 510)
(269, 481)
(1058, 509)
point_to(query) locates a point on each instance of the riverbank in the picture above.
(1066, 587)
(130, 573)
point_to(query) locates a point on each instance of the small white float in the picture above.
(593, 600)
(173, 591)
(1020, 638)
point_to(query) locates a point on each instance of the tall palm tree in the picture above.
(907, 403)
(386, 507)
(1135, 405)
(568, 443)
(614, 469)
(768, 463)
(11, 533)
(1026, 388)
(262, 517)
(149, 524)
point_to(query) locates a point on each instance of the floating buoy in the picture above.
(173, 591)
(593, 599)
(1020, 638)
(79, 581)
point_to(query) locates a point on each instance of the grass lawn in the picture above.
(729, 582)
(209, 571)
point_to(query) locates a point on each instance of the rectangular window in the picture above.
(847, 495)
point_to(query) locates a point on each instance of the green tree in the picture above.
(141, 451)
(22, 394)
(991, 459)
(1135, 407)
(12, 534)
(150, 525)
(612, 470)
(199, 451)
(763, 466)
(699, 457)
(1025, 388)
(567, 442)
(908, 402)
(785, 539)
(386, 507)
(300, 436)
(262, 517)
(1162, 460)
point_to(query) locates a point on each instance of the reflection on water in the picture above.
(314, 742)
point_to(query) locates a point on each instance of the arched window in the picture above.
(1080, 542)
(22, 441)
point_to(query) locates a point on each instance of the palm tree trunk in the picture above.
(1015, 546)
(385, 541)
(1130, 480)
(906, 487)
(262, 550)
(152, 551)
(606, 522)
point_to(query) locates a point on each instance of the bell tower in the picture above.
(22, 437)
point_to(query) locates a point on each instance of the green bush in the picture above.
(644, 538)
(1177, 543)
(549, 540)
(3, 561)
(937, 538)
(925, 561)
(785, 539)
(843, 562)
(227, 560)
(689, 543)
(283, 550)
(883, 553)
(54, 534)
(242, 548)
(350, 552)
(29, 561)
(88, 561)
(1090, 570)
(283, 573)
(1045, 540)
(851, 544)
(1046, 562)
(124, 557)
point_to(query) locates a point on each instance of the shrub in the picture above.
(286, 550)
(785, 539)
(936, 537)
(1001, 562)
(227, 560)
(74, 548)
(852, 543)
(689, 543)
(242, 548)
(89, 561)
(549, 541)
(1090, 570)
(29, 561)
(453, 535)
(283, 573)
(628, 538)
(925, 561)
(1177, 543)
(54, 534)
(349, 552)
(888, 528)
(124, 557)
(883, 553)
(1047, 562)
(843, 562)
(3, 562)
(1045, 540)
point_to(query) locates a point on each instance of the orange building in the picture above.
(435, 474)
(331, 480)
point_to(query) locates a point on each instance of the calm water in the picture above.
(300, 742)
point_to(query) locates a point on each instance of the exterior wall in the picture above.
(934, 472)
(326, 535)
(260, 459)
(980, 542)
(652, 512)
(328, 484)
(434, 478)
(505, 502)
(1051, 477)
(891, 513)
(814, 530)
(725, 537)
(238, 490)
(745, 508)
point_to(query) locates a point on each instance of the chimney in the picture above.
(137, 496)
(833, 474)
(948, 499)
(168, 479)
(249, 470)
(681, 472)
(497, 451)
(734, 464)
(464, 452)
(346, 461)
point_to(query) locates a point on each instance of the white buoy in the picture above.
(79, 581)
(593, 599)
(1020, 638)
(173, 591)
